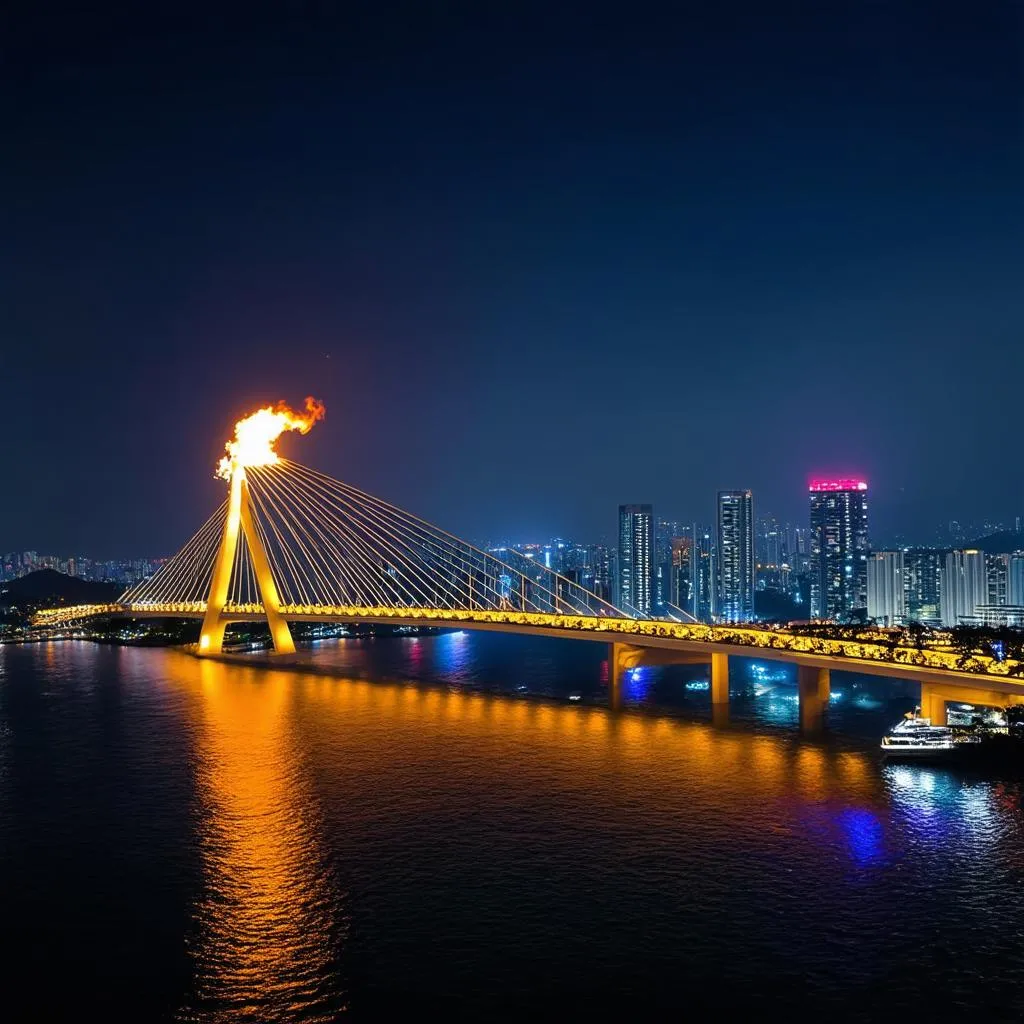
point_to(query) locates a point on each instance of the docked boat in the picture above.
(916, 737)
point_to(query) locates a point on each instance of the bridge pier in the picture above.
(719, 679)
(814, 686)
(933, 705)
(621, 659)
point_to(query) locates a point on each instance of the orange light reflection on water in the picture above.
(390, 757)
(271, 921)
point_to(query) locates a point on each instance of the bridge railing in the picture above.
(875, 650)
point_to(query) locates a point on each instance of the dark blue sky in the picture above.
(535, 263)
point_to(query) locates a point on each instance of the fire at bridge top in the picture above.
(288, 536)
(257, 433)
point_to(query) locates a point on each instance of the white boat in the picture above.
(916, 737)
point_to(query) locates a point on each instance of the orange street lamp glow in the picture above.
(255, 436)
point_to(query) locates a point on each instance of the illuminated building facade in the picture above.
(839, 548)
(887, 599)
(636, 553)
(736, 566)
(1015, 579)
(664, 585)
(681, 575)
(997, 616)
(704, 575)
(923, 567)
(771, 549)
(964, 586)
(997, 572)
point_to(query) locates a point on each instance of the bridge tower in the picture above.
(240, 515)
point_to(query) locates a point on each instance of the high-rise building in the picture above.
(923, 567)
(997, 572)
(839, 547)
(736, 567)
(771, 542)
(1015, 579)
(681, 577)
(600, 567)
(964, 585)
(666, 530)
(801, 550)
(636, 553)
(703, 590)
(887, 600)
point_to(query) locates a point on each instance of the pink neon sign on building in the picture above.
(819, 484)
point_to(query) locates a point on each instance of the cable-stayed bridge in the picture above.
(290, 544)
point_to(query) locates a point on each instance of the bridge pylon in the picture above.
(240, 518)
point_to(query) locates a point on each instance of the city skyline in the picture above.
(948, 532)
(746, 568)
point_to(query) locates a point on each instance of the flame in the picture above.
(253, 444)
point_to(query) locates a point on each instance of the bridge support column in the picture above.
(719, 680)
(621, 658)
(814, 686)
(211, 636)
(933, 705)
(279, 631)
(719, 689)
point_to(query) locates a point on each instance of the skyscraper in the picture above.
(887, 600)
(997, 571)
(1015, 581)
(681, 577)
(839, 547)
(736, 556)
(964, 585)
(923, 568)
(662, 586)
(636, 540)
(770, 548)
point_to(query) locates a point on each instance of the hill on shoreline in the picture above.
(998, 543)
(49, 588)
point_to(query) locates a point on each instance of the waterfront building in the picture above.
(736, 566)
(887, 599)
(923, 568)
(839, 547)
(635, 558)
(964, 585)
(681, 578)
(1015, 579)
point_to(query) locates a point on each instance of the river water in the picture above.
(458, 825)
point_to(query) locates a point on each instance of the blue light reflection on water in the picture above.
(452, 653)
(864, 834)
(637, 684)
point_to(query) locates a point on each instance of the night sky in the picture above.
(536, 263)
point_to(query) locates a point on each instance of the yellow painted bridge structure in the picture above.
(292, 545)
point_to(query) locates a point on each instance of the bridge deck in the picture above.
(873, 653)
